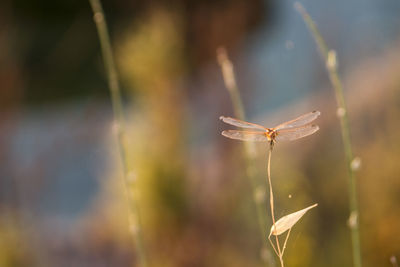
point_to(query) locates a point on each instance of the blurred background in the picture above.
(62, 200)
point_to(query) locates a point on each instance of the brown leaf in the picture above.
(288, 221)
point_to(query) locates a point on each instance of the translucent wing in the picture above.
(300, 121)
(246, 135)
(296, 133)
(242, 124)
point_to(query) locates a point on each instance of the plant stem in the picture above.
(286, 239)
(329, 57)
(271, 202)
(249, 149)
(119, 122)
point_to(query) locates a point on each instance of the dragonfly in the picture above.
(288, 131)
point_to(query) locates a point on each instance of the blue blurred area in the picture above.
(61, 156)
(284, 61)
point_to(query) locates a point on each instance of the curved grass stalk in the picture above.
(119, 121)
(277, 249)
(329, 56)
(249, 149)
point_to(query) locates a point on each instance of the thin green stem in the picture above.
(329, 57)
(249, 149)
(119, 122)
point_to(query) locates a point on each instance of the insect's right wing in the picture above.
(242, 124)
(246, 135)
(291, 134)
(300, 121)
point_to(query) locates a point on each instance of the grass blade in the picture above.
(329, 57)
(119, 122)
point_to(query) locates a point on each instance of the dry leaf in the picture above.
(287, 222)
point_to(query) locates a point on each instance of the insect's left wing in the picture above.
(242, 124)
(300, 121)
(291, 134)
(246, 135)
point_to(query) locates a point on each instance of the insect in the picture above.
(290, 130)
